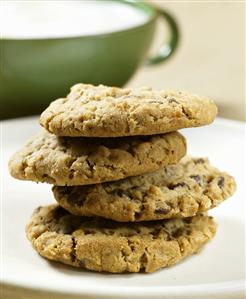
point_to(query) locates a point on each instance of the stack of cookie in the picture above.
(129, 200)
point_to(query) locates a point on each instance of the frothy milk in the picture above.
(47, 19)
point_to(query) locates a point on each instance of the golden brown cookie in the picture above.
(102, 111)
(181, 190)
(79, 161)
(103, 245)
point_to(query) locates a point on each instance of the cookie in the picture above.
(182, 190)
(104, 245)
(101, 111)
(78, 161)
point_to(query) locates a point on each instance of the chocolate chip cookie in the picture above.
(102, 111)
(181, 190)
(78, 161)
(104, 245)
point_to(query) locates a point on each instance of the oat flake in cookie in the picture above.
(101, 111)
(103, 245)
(80, 161)
(182, 190)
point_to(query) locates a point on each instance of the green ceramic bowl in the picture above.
(36, 71)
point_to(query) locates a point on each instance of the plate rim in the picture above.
(231, 288)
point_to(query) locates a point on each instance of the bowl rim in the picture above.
(148, 9)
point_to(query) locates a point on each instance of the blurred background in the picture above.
(209, 59)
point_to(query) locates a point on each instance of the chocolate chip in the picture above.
(74, 197)
(170, 204)
(163, 211)
(67, 229)
(186, 112)
(71, 174)
(131, 151)
(188, 231)
(188, 220)
(168, 236)
(177, 233)
(199, 161)
(197, 178)
(81, 263)
(120, 192)
(155, 232)
(156, 102)
(59, 212)
(143, 262)
(181, 184)
(63, 190)
(89, 232)
(221, 182)
(172, 100)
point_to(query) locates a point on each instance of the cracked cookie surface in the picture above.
(101, 111)
(79, 161)
(104, 245)
(181, 190)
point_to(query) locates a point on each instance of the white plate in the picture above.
(218, 271)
